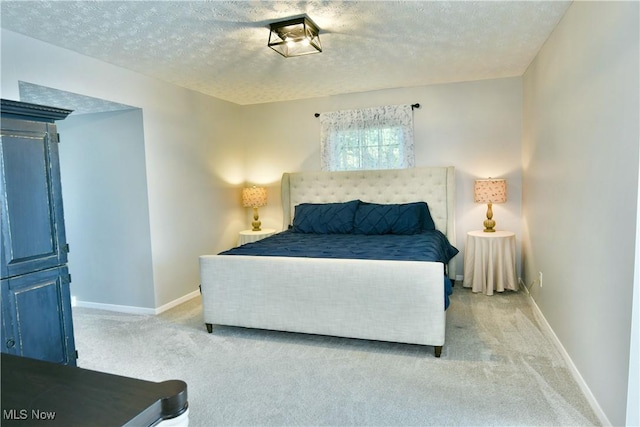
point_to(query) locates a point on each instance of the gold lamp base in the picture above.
(256, 224)
(489, 223)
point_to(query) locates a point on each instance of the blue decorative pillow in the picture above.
(427, 221)
(325, 218)
(372, 218)
(407, 218)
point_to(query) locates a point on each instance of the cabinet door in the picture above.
(36, 316)
(31, 214)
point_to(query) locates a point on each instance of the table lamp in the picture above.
(254, 197)
(490, 191)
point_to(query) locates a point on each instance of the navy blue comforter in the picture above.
(426, 246)
(429, 245)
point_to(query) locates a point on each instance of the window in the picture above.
(372, 138)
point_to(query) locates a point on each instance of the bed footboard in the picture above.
(398, 301)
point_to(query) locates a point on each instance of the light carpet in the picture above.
(498, 367)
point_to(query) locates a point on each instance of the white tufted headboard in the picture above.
(434, 185)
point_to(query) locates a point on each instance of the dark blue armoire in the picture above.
(36, 301)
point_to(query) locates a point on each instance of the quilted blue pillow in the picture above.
(325, 218)
(373, 218)
(427, 220)
(407, 218)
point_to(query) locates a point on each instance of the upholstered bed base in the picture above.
(345, 298)
(399, 301)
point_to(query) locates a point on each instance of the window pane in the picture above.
(377, 138)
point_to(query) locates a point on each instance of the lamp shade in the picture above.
(490, 190)
(294, 37)
(254, 197)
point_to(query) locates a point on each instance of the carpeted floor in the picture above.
(498, 367)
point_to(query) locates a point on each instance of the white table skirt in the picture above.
(490, 262)
(248, 236)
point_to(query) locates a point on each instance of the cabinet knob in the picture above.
(10, 343)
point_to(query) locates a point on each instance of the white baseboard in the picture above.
(129, 309)
(572, 367)
(178, 301)
(459, 277)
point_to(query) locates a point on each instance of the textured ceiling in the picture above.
(79, 104)
(220, 47)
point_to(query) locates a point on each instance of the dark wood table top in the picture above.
(43, 393)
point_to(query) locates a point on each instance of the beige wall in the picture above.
(107, 214)
(193, 156)
(580, 176)
(474, 126)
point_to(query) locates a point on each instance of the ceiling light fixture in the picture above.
(294, 37)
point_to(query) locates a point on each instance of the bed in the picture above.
(374, 299)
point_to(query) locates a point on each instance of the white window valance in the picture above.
(369, 138)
